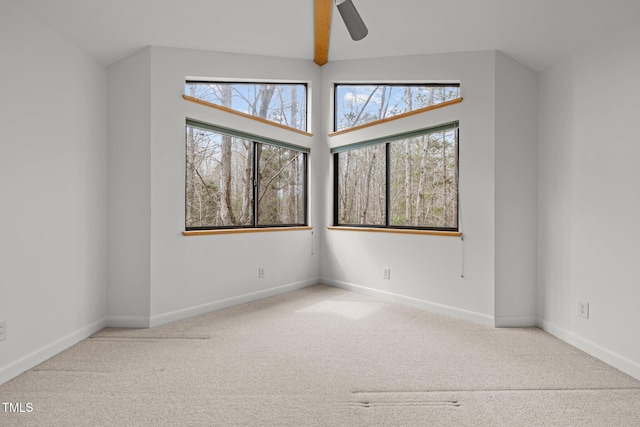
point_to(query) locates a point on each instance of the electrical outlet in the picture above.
(3, 330)
(386, 273)
(583, 309)
(260, 272)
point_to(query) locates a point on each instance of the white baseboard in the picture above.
(516, 322)
(48, 351)
(617, 361)
(136, 322)
(482, 319)
(185, 313)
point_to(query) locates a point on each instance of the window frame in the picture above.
(455, 125)
(412, 84)
(255, 140)
(260, 82)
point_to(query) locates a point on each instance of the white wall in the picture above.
(53, 183)
(173, 276)
(498, 167)
(425, 270)
(516, 161)
(589, 202)
(59, 199)
(129, 193)
(192, 275)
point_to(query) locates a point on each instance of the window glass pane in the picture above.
(361, 186)
(285, 104)
(357, 104)
(424, 183)
(281, 186)
(219, 179)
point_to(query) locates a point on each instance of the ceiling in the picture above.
(535, 32)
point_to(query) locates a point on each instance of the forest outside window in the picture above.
(356, 104)
(281, 103)
(236, 180)
(405, 181)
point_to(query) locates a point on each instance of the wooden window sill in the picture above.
(398, 231)
(243, 230)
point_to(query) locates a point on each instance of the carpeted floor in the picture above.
(323, 356)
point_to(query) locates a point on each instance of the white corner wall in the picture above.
(53, 182)
(425, 270)
(191, 275)
(156, 274)
(129, 191)
(516, 163)
(589, 202)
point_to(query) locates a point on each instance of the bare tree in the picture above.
(220, 169)
(422, 184)
(364, 107)
(408, 213)
(226, 205)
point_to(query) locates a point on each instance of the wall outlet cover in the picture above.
(583, 309)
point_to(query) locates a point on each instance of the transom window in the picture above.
(282, 103)
(356, 104)
(236, 180)
(404, 181)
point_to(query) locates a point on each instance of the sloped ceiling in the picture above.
(534, 32)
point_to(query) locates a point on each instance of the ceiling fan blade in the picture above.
(353, 21)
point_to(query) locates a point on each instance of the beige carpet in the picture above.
(323, 356)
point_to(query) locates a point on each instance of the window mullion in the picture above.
(256, 183)
(387, 190)
(306, 187)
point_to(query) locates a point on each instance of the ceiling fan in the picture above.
(352, 20)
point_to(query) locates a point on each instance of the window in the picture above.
(357, 104)
(362, 185)
(404, 181)
(282, 103)
(236, 180)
